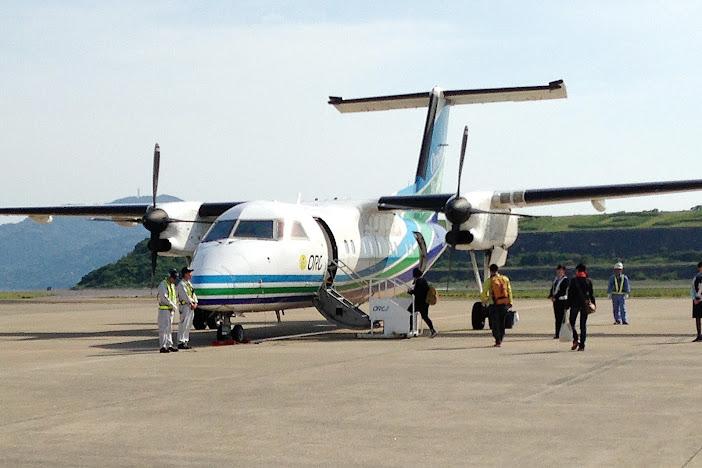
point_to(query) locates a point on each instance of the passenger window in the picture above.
(353, 246)
(220, 230)
(254, 229)
(346, 246)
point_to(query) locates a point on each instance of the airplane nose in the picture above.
(219, 276)
(215, 263)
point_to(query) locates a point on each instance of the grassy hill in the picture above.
(653, 219)
(653, 245)
(131, 271)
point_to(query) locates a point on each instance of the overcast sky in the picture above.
(235, 93)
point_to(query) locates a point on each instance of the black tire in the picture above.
(221, 336)
(478, 316)
(238, 333)
(199, 318)
(211, 321)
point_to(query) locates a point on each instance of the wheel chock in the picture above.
(229, 342)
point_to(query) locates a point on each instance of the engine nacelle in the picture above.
(186, 229)
(487, 230)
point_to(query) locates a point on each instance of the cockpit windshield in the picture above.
(220, 230)
(269, 229)
(254, 229)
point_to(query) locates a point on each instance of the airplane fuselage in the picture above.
(262, 256)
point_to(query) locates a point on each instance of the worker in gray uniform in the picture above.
(167, 298)
(187, 303)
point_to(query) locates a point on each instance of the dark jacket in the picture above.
(580, 291)
(420, 290)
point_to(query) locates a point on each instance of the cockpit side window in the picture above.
(290, 230)
(220, 230)
(297, 231)
(254, 229)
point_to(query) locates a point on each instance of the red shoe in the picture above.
(497, 344)
(575, 345)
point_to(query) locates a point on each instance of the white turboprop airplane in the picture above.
(269, 256)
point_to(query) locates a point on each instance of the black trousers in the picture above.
(424, 312)
(497, 313)
(559, 308)
(574, 311)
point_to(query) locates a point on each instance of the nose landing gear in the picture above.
(220, 321)
(226, 332)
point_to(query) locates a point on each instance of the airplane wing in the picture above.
(119, 213)
(539, 197)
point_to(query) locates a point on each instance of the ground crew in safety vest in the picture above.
(618, 290)
(187, 303)
(167, 304)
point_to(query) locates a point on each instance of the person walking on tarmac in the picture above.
(580, 294)
(559, 297)
(618, 290)
(187, 303)
(419, 291)
(497, 295)
(167, 298)
(696, 294)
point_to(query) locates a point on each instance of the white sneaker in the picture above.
(433, 334)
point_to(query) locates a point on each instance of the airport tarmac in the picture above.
(82, 384)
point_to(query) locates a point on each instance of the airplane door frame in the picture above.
(332, 248)
(423, 253)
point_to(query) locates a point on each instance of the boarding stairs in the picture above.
(397, 314)
(385, 306)
(334, 306)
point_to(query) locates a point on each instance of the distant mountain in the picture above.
(59, 254)
(145, 199)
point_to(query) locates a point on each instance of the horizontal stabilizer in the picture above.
(554, 90)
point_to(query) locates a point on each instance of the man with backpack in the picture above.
(497, 295)
(419, 291)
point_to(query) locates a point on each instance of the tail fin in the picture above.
(431, 156)
(430, 168)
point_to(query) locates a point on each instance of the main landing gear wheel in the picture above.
(238, 333)
(478, 316)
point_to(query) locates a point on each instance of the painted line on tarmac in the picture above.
(557, 384)
(288, 337)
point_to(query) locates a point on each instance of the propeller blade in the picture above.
(157, 164)
(521, 215)
(450, 270)
(172, 220)
(460, 161)
(153, 247)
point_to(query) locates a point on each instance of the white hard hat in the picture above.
(618, 266)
